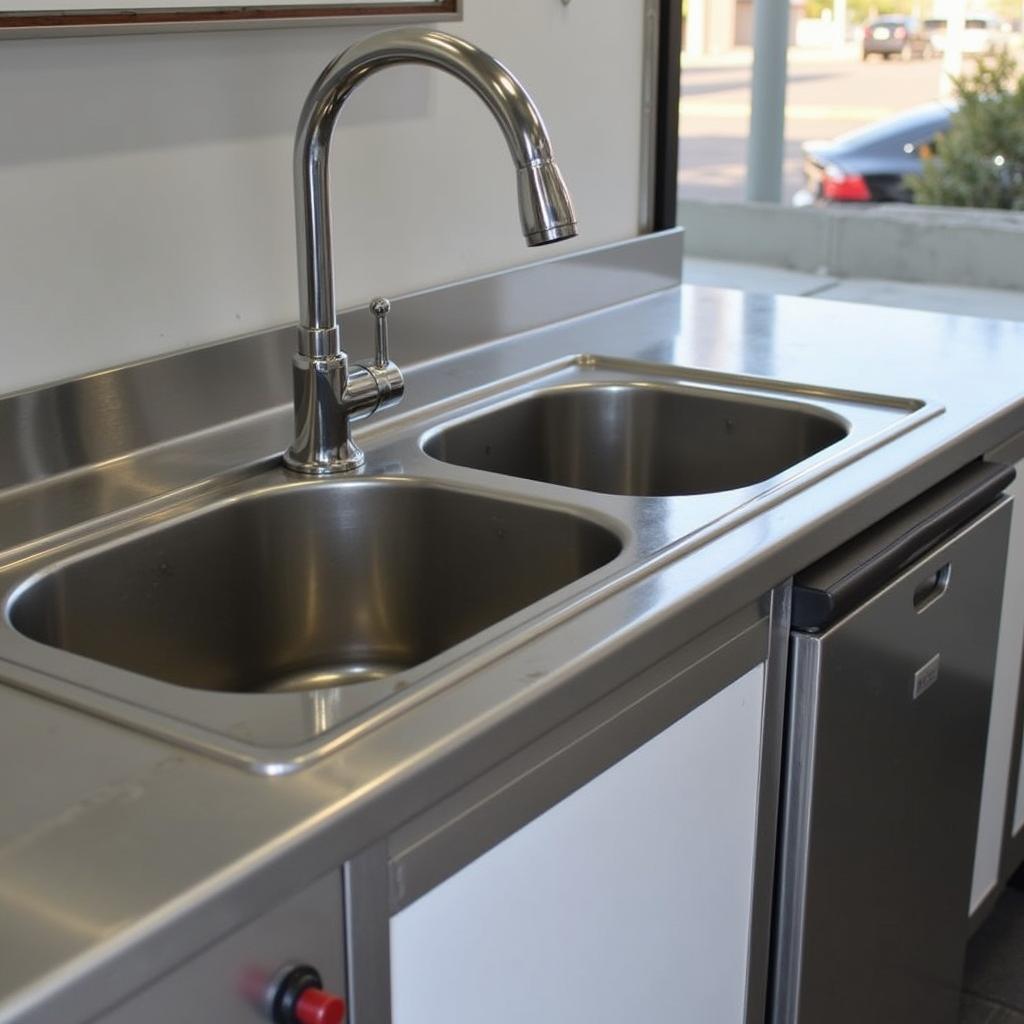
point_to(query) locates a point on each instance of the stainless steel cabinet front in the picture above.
(228, 982)
(888, 718)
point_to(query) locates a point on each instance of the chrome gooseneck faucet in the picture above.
(329, 394)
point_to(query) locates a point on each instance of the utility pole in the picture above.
(695, 43)
(953, 58)
(766, 149)
(839, 16)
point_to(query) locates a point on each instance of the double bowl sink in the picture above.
(273, 616)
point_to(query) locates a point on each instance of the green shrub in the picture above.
(980, 160)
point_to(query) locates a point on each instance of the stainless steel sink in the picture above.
(305, 587)
(640, 438)
(268, 618)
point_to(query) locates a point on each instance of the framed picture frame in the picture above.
(95, 17)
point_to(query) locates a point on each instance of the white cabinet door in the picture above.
(628, 900)
(999, 751)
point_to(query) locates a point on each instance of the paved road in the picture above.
(826, 97)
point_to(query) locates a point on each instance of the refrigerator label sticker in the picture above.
(926, 676)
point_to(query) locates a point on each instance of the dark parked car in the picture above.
(896, 35)
(869, 165)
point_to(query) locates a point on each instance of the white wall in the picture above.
(145, 181)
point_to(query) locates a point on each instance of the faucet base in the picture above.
(327, 396)
(348, 457)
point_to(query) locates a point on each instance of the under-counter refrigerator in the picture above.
(891, 667)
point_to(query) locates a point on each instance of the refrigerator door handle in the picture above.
(932, 587)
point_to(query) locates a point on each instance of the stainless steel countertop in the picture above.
(120, 854)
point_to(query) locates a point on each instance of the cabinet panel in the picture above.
(226, 982)
(1018, 810)
(1005, 692)
(629, 899)
(889, 711)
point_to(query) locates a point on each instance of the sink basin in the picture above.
(640, 439)
(308, 586)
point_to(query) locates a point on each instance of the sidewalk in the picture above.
(743, 56)
(985, 302)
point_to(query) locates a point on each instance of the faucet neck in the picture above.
(507, 100)
(329, 393)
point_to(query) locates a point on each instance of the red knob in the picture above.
(315, 1006)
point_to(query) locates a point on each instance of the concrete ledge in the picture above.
(991, 303)
(932, 245)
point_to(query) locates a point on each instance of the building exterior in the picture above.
(716, 27)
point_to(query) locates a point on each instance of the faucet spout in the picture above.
(545, 207)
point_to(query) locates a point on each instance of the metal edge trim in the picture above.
(1012, 854)
(1010, 451)
(64, 25)
(367, 936)
(794, 824)
(768, 804)
(649, 114)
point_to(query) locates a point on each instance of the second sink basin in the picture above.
(639, 439)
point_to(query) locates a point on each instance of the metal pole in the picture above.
(768, 101)
(697, 27)
(839, 16)
(953, 57)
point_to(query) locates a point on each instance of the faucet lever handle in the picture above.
(388, 384)
(379, 308)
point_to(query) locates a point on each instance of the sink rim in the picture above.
(762, 396)
(85, 544)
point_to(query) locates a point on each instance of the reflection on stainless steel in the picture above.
(640, 439)
(328, 394)
(298, 588)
